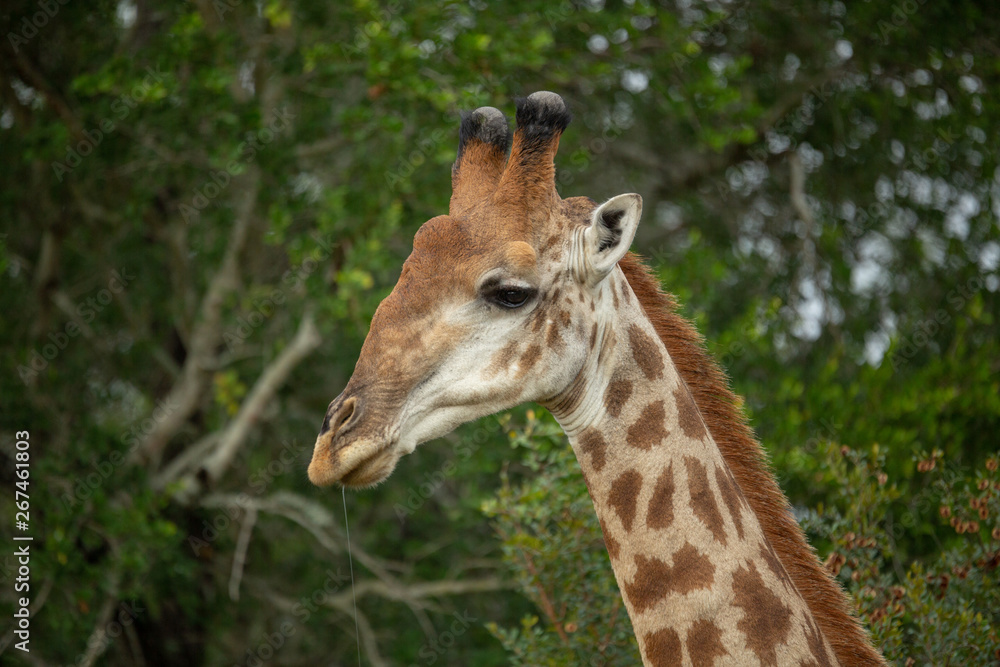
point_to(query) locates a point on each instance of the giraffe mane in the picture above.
(727, 422)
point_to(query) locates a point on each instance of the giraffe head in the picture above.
(502, 301)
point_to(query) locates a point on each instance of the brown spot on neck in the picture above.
(650, 428)
(774, 565)
(646, 353)
(617, 393)
(610, 543)
(818, 648)
(766, 619)
(661, 505)
(655, 580)
(592, 442)
(624, 495)
(731, 498)
(687, 414)
(703, 498)
(727, 421)
(704, 643)
(662, 648)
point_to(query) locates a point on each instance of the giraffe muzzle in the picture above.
(342, 414)
(344, 453)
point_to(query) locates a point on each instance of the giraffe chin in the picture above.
(354, 466)
(370, 471)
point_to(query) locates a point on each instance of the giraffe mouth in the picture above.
(357, 464)
(370, 471)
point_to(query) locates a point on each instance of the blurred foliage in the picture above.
(821, 186)
(553, 546)
(942, 610)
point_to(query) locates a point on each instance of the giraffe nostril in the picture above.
(345, 413)
(337, 418)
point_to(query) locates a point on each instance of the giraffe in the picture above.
(519, 295)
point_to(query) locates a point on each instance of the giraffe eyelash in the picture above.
(508, 296)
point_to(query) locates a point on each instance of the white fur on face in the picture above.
(468, 383)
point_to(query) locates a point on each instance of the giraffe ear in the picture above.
(612, 228)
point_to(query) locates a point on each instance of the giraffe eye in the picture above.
(511, 297)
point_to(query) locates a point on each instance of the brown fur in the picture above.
(475, 176)
(610, 543)
(703, 498)
(649, 429)
(770, 627)
(654, 579)
(704, 643)
(660, 513)
(623, 496)
(748, 461)
(663, 648)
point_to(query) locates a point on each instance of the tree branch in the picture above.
(312, 516)
(187, 391)
(185, 461)
(367, 633)
(344, 601)
(797, 194)
(99, 642)
(419, 591)
(306, 340)
(240, 555)
(221, 449)
(797, 189)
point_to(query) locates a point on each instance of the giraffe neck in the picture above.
(698, 577)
